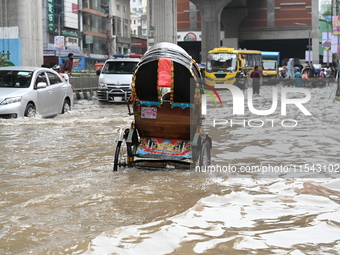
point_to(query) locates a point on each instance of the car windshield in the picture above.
(15, 78)
(221, 62)
(119, 67)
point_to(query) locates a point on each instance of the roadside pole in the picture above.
(337, 93)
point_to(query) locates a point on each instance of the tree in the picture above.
(4, 59)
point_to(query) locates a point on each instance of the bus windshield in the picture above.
(221, 62)
(269, 65)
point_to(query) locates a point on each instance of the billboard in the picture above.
(71, 14)
(336, 25)
(329, 39)
(59, 43)
(50, 16)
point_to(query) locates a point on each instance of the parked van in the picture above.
(115, 77)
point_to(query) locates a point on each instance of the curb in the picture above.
(88, 95)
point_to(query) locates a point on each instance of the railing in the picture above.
(84, 81)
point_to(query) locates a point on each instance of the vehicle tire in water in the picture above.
(30, 111)
(66, 106)
(205, 155)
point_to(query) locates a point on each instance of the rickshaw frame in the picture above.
(166, 131)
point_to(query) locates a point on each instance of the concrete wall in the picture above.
(163, 18)
(81, 82)
(10, 43)
(27, 16)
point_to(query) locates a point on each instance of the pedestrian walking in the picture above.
(311, 70)
(256, 77)
(241, 79)
(322, 73)
(298, 77)
(290, 68)
(328, 72)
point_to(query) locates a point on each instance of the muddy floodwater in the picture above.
(59, 194)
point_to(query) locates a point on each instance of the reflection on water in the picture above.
(60, 196)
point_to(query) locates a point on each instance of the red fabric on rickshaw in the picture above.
(164, 72)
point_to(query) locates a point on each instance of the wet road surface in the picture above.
(60, 196)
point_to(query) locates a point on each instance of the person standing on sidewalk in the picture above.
(256, 77)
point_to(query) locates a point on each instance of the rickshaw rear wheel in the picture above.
(116, 160)
(205, 155)
(120, 159)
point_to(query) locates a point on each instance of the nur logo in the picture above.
(239, 100)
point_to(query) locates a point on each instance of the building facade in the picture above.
(139, 28)
(267, 25)
(21, 34)
(93, 29)
(139, 18)
(162, 21)
(138, 7)
(120, 26)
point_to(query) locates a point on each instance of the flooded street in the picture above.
(60, 196)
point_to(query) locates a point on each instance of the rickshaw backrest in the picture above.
(165, 94)
(166, 66)
(147, 81)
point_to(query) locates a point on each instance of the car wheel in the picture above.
(66, 106)
(30, 111)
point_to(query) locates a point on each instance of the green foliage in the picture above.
(4, 59)
(328, 12)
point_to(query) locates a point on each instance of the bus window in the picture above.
(259, 60)
(250, 61)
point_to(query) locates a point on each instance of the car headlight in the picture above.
(10, 100)
(209, 79)
(102, 85)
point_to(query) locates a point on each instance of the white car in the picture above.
(31, 91)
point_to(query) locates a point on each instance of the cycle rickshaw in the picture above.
(313, 81)
(166, 104)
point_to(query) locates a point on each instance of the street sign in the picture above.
(309, 55)
(49, 53)
(327, 45)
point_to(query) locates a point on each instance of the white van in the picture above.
(115, 78)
